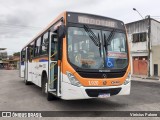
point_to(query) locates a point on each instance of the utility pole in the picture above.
(149, 44)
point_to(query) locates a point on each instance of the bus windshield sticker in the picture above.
(110, 62)
(120, 55)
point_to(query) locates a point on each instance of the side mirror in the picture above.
(61, 31)
(54, 38)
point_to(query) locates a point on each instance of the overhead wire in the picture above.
(18, 26)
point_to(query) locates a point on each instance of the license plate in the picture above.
(104, 95)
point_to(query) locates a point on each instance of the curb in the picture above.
(152, 78)
(149, 78)
(140, 79)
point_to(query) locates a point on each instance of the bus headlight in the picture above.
(72, 79)
(128, 79)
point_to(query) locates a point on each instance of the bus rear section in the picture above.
(87, 56)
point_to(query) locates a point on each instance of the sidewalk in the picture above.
(145, 78)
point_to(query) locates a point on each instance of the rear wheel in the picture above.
(26, 81)
(45, 89)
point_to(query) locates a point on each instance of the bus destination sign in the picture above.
(95, 21)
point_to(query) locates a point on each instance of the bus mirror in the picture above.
(61, 31)
(54, 38)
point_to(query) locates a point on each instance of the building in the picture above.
(144, 42)
(3, 58)
(13, 62)
(8, 62)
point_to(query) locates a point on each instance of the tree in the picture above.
(16, 54)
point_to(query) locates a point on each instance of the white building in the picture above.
(144, 36)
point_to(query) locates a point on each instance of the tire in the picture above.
(27, 83)
(49, 96)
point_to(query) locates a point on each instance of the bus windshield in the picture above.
(85, 53)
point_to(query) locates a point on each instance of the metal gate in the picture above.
(140, 65)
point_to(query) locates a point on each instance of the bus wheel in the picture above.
(45, 89)
(27, 83)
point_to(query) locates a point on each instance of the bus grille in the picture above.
(96, 92)
(101, 75)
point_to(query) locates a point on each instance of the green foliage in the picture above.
(16, 54)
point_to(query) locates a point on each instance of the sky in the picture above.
(22, 20)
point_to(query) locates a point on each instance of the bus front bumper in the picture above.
(70, 92)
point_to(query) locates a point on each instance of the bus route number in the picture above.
(93, 83)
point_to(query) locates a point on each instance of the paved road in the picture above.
(14, 95)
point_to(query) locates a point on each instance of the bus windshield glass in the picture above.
(97, 49)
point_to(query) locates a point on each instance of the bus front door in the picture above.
(53, 67)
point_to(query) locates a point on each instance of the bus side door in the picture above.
(22, 63)
(54, 75)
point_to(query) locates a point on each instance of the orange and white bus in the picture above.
(79, 56)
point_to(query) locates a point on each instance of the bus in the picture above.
(78, 56)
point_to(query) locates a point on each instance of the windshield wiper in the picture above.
(92, 35)
(94, 38)
(107, 40)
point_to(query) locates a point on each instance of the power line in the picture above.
(155, 16)
(18, 26)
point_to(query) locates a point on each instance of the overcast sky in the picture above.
(21, 20)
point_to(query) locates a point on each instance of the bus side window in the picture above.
(54, 46)
(44, 46)
(23, 55)
(30, 51)
(37, 46)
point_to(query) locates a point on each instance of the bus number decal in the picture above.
(93, 83)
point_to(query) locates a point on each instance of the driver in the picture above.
(83, 51)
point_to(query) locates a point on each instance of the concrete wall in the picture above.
(155, 33)
(137, 27)
(155, 45)
(156, 58)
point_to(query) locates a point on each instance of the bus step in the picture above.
(52, 90)
(54, 93)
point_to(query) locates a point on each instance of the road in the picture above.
(16, 96)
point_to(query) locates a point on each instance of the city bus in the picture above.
(78, 56)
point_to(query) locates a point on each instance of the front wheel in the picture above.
(26, 81)
(45, 89)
